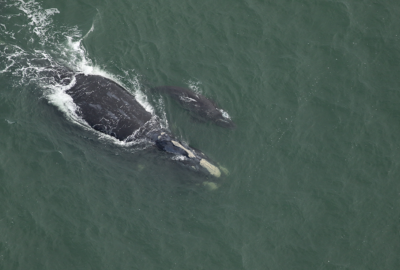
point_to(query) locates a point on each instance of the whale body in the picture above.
(109, 108)
(198, 105)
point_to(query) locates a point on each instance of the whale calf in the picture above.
(109, 108)
(198, 105)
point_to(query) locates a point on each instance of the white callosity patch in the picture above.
(190, 153)
(210, 168)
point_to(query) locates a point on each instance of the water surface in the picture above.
(314, 161)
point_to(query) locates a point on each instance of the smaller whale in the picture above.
(197, 104)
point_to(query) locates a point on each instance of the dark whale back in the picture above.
(199, 105)
(107, 106)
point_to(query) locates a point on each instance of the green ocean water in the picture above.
(314, 162)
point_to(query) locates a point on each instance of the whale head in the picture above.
(189, 157)
(224, 122)
(221, 118)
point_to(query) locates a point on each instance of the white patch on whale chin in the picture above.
(224, 114)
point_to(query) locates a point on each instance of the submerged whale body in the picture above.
(109, 108)
(199, 105)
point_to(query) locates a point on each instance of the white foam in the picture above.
(179, 157)
(90, 31)
(12, 53)
(40, 18)
(195, 86)
(64, 102)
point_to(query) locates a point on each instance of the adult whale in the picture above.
(109, 108)
(199, 105)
